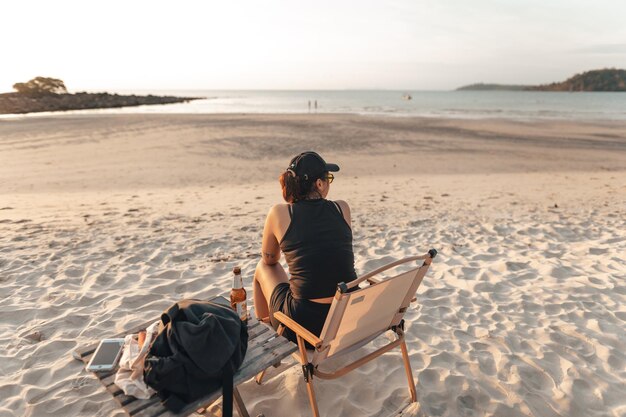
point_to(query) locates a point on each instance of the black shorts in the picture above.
(308, 314)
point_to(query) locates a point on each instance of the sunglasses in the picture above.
(329, 177)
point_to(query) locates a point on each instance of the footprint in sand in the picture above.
(429, 378)
(506, 411)
(435, 403)
(485, 360)
(34, 337)
(535, 379)
(455, 383)
(598, 251)
(617, 359)
(584, 396)
(78, 383)
(443, 360)
(466, 405)
(181, 258)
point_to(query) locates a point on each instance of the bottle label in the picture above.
(242, 310)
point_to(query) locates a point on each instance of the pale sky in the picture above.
(270, 44)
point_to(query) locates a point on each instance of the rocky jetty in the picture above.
(18, 103)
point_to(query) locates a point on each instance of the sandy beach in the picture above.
(105, 220)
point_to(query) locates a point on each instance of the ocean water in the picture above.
(452, 104)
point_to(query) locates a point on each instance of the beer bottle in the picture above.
(238, 295)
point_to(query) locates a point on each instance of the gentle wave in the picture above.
(451, 104)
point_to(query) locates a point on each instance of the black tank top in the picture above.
(318, 249)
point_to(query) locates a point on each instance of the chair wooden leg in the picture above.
(309, 388)
(308, 377)
(259, 377)
(239, 404)
(409, 373)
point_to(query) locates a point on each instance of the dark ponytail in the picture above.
(295, 188)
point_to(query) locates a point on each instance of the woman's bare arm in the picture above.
(270, 249)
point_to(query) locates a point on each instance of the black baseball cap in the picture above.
(310, 165)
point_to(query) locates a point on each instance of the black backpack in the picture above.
(201, 346)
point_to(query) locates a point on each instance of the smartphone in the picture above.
(221, 301)
(106, 355)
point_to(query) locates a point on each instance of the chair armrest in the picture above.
(428, 259)
(298, 329)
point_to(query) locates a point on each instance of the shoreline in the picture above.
(121, 111)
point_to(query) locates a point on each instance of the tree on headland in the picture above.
(41, 86)
(608, 79)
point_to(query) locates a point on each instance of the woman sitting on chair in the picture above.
(316, 237)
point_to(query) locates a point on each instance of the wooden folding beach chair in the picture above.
(355, 319)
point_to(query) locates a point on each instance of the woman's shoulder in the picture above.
(280, 206)
(343, 204)
(279, 210)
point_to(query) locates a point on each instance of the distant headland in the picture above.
(596, 80)
(43, 94)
